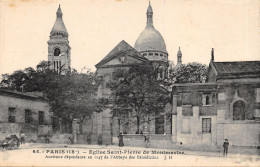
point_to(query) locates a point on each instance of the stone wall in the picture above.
(138, 140)
(187, 119)
(20, 105)
(97, 129)
(239, 133)
(188, 129)
(31, 132)
(21, 102)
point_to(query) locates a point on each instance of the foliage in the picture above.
(137, 91)
(189, 73)
(70, 96)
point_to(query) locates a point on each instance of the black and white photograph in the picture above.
(129, 83)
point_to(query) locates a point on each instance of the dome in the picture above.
(150, 39)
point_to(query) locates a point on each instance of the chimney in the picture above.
(212, 55)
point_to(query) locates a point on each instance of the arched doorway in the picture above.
(239, 110)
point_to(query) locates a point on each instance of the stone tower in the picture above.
(179, 57)
(58, 46)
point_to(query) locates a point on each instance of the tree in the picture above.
(190, 73)
(137, 91)
(73, 96)
(70, 96)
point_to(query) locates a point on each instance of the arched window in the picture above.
(57, 52)
(239, 110)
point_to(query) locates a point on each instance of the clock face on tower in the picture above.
(122, 59)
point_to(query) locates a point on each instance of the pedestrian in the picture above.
(70, 140)
(225, 145)
(146, 140)
(22, 139)
(121, 141)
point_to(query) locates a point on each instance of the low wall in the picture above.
(45, 130)
(61, 138)
(138, 140)
(239, 134)
(30, 131)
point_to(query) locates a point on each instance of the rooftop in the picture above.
(237, 67)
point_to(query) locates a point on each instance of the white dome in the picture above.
(150, 39)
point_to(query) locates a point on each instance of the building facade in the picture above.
(101, 125)
(149, 49)
(58, 46)
(23, 113)
(226, 107)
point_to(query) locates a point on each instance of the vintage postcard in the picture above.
(129, 83)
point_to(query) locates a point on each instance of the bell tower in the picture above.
(179, 57)
(58, 46)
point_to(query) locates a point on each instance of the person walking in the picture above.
(121, 140)
(146, 140)
(225, 145)
(22, 139)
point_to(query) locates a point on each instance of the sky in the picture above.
(95, 27)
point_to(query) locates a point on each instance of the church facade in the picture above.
(149, 49)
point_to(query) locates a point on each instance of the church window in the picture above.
(161, 55)
(239, 110)
(56, 52)
(156, 54)
(11, 112)
(206, 125)
(144, 54)
(150, 54)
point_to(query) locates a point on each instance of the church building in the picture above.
(149, 49)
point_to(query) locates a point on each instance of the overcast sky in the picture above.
(95, 27)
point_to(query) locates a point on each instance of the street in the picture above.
(94, 155)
